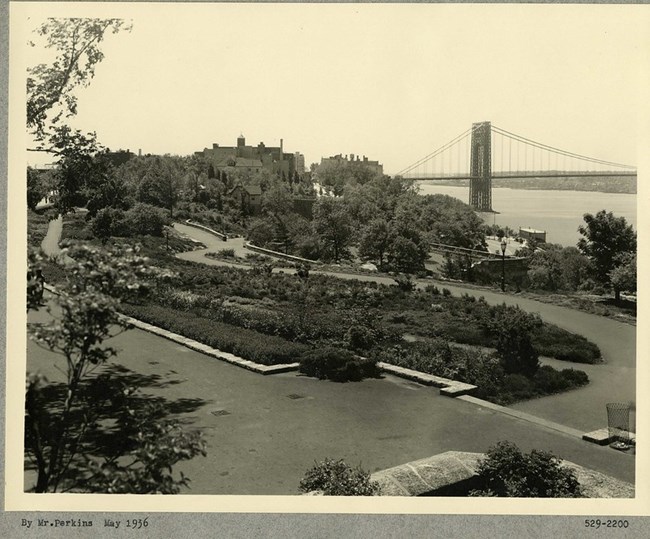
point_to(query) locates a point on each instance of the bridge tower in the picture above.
(480, 183)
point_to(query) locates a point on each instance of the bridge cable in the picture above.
(443, 148)
(434, 153)
(566, 153)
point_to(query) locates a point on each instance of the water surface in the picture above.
(559, 213)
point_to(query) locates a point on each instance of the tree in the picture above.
(79, 167)
(57, 424)
(606, 239)
(443, 219)
(333, 226)
(108, 222)
(162, 183)
(36, 188)
(336, 478)
(50, 97)
(50, 87)
(408, 250)
(557, 268)
(623, 276)
(261, 231)
(376, 238)
(333, 178)
(507, 472)
(406, 255)
(512, 329)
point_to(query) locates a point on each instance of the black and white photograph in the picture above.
(327, 257)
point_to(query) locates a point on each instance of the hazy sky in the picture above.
(393, 82)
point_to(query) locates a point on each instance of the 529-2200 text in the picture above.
(605, 523)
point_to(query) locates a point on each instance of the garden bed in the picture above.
(248, 344)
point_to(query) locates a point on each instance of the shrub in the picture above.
(507, 472)
(336, 478)
(574, 377)
(248, 344)
(109, 222)
(517, 385)
(404, 283)
(360, 337)
(556, 342)
(337, 364)
(257, 257)
(308, 247)
(227, 253)
(548, 380)
(446, 292)
(432, 289)
(145, 220)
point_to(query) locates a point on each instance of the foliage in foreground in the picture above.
(507, 472)
(66, 428)
(336, 478)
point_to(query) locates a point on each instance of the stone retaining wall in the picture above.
(189, 222)
(449, 388)
(454, 474)
(277, 254)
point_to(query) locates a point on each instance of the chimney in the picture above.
(139, 152)
(281, 149)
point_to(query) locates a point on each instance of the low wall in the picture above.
(449, 388)
(277, 254)
(454, 474)
(189, 222)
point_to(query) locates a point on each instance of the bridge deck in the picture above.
(529, 175)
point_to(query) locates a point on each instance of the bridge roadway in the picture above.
(584, 408)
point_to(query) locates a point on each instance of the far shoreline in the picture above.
(526, 186)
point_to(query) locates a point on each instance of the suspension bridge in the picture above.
(486, 152)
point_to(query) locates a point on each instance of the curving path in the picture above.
(584, 408)
(50, 243)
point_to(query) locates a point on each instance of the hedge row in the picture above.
(245, 343)
(553, 341)
(482, 369)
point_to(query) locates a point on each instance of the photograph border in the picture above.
(375, 520)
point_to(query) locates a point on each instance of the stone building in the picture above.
(249, 196)
(253, 158)
(374, 166)
(532, 234)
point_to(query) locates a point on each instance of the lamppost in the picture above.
(504, 244)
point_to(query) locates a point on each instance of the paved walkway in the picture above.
(584, 408)
(267, 439)
(274, 427)
(212, 243)
(50, 243)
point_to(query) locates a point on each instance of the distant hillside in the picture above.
(610, 184)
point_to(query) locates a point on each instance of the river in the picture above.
(559, 213)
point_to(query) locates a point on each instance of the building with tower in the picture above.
(253, 158)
